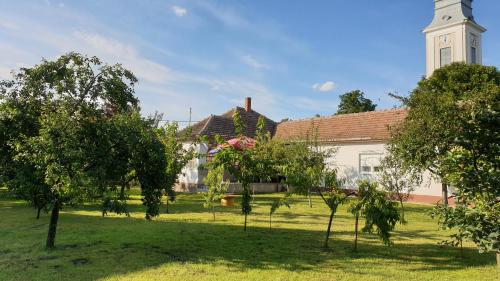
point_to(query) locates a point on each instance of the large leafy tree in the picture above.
(354, 102)
(435, 119)
(70, 130)
(472, 167)
(452, 129)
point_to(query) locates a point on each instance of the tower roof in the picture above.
(448, 12)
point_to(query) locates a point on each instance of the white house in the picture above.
(359, 139)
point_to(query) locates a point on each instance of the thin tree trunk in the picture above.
(444, 188)
(329, 228)
(213, 211)
(309, 197)
(461, 248)
(356, 233)
(51, 236)
(245, 227)
(402, 210)
(498, 264)
(270, 218)
(167, 204)
(38, 213)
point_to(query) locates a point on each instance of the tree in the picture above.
(381, 214)
(216, 188)
(241, 163)
(398, 180)
(434, 117)
(473, 168)
(277, 203)
(70, 130)
(305, 169)
(354, 102)
(177, 154)
(452, 130)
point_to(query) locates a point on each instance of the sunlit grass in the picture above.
(187, 245)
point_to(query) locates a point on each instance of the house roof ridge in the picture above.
(209, 118)
(345, 115)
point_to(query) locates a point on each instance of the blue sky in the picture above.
(294, 58)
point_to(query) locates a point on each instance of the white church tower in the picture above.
(453, 35)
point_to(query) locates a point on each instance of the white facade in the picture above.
(191, 175)
(357, 161)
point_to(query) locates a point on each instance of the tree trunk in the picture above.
(309, 197)
(270, 218)
(245, 227)
(444, 189)
(167, 205)
(213, 211)
(329, 228)
(498, 265)
(402, 210)
(51, 236)
(356, 233)
(38, 213)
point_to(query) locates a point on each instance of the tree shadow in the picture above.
(110, 246)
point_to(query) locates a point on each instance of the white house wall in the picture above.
(348, 159)
(190, 173)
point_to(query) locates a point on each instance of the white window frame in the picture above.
(363, 156)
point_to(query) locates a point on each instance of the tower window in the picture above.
(473, 55)
(445, 56)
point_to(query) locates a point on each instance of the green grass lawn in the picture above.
(188, 245)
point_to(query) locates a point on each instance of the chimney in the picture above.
(248, 104)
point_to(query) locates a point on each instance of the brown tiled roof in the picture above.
(357, 127)
(223, 126)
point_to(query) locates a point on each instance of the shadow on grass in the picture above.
(112, 246)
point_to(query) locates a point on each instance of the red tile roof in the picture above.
(357, 127)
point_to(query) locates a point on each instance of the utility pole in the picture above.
(190, 112)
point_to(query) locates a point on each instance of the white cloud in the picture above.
(251, 61)
(115, 51)
(8, 25)
(328, 86)
(179, 11)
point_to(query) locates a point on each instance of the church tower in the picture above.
(453, 35)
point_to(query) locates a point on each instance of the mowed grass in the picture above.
(187, 245)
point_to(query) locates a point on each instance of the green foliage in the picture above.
(398, 180)
(354, 102)
(176, 153)
(480, 224)
(452, 130)
(434, 118)
(216, 188)
(380, 214)
(246, 165)
(304, 169)
(278, 203)
(70, 131)
(239, 124)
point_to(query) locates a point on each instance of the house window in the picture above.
(445, 56)
(369, 164)
(473, 55)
